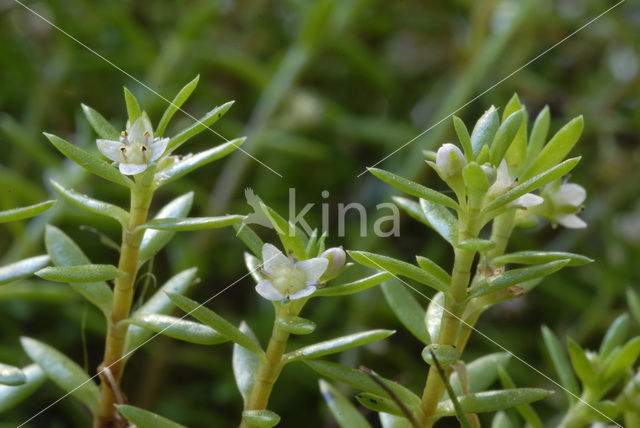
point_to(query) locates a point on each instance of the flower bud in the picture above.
(337, 259)
(450, 161)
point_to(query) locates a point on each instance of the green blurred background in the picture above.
(322, 90)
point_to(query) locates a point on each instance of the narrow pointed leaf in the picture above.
(100, 125)
(379, 403)
(11, 376)
(250, 238)
(484, 130)
(476, 244)
(532, 184)
(159, 303)
(623, 359)
(434, 269)
(463, 136)
(445, 354)
(561, 364)
(342, 410)
(192, 223)
(615, 336)
(581, 364)
(144, 418)
(154, 240)
(412, 208)
(414, 188)
(441, 220)
(482, 372)
(92, 205)
(514, 277)
(397, 267)
(539, 133)
(198, 126)
(63, 372)
(22, 269)
(261, 418)
(353, 287)
(407, 309)
(525, 410)
(13, 395)
(215, 321)
(89, 162)
(175, 105)
(253, 264)
(504, 137)
(392, 421)
(537, 257)
(80, 273)
(187, 331)
(633, 301)
(192, 162)
(475, 178)
(289, 235)
(490, 401)
(133, 107)
(25, 212)
(65, 252)
(296, 325)
(336, 345)
(245, 364)
(557, 148)
(433, 316)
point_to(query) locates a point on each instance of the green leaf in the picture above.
(190, 162)
(514, 277)
(517, 152)
(485, 130)
(154, 240)
(25, 212)
(532, 184)
(463, 136)
(65, 252)
(353, 287)
(336, 345)
(80, 273)
(63, 372)
(561, 364)
(525, 410)
(133, 107)
(441, 220)
(245, 364)
(13, 395)
(445, 354)
(604, 411)
(581, 364)
(622, 359)
(92, 205)
(537, 257)
(504, 137)
(175, 105)
(261, 418)
(538, 137)
(397, 267)
(557, 148)
(296, 325)
(192, 223)
(145, 419)
(407, 309)
(475, 178)
(215, 321)
(289, 235)
(89, 162)
(22, 269)
(615, 336)
(476, 244)
(633, 300)
(177, 328)
(200, 125)
(159, 303)
(501, 420)
(343, 411)
(490, 401)
(12, 376)
(482, 372)
(250, 238)
(379, 403)
(392, 421)
(433, 316)
(100, 125)
(412, 208)
(414, 188)
(434, 269)
(253, 264)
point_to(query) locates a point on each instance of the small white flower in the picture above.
(450, 160)
(504, 182)
(287, 279)
(136, 149)
(562, 202)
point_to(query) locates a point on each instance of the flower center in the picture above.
(288, 280)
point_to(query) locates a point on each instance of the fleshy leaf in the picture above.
(245, 364)
(622, 359)
(296, 325)
(250, 238)
(205, 122)
(12, 376)
(22, 269)
(525, 410)
(482, 372)
(490, 401)
(476, 244)
(192, 223)
(581, 364)
(434, 269)
(561, 364)
(144, 418)
(261, 418)
(175, 105)
(133, 107)
(484, 130)
(407, 309)
(504, 137)
(289, 235)
(463, 136)
(412, 208)
(187, 331)
(433, 316)
(336, 345)
(537, 257)
(100, 125)
(343, 411)
(92, 205)
(379, 403)
(80, 273)
(25, 212)
(445, 354)
(538, 137)
(13, 395)
(353, 287)
(615, 336)
(441, 220)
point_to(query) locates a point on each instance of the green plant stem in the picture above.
(501, 232)
(269, 368)
(123, 290)
(577, 416)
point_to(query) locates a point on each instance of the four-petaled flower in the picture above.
(562, 201)
(504, 182)
(136, 149)
(286, 278)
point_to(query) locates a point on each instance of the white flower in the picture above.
(450, 160)
(504, 182)
(136, 149)
(288, 279)
(562, 202)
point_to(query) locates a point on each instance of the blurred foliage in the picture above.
(322, 90)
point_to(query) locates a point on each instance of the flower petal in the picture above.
(572, 221)
(273, 258)
(158, 147)
(574, 194)
(528, 200)
(307, 291)
(139, 128)
(132, 168)
(268, 291)
(313, 268)
(110, 149)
